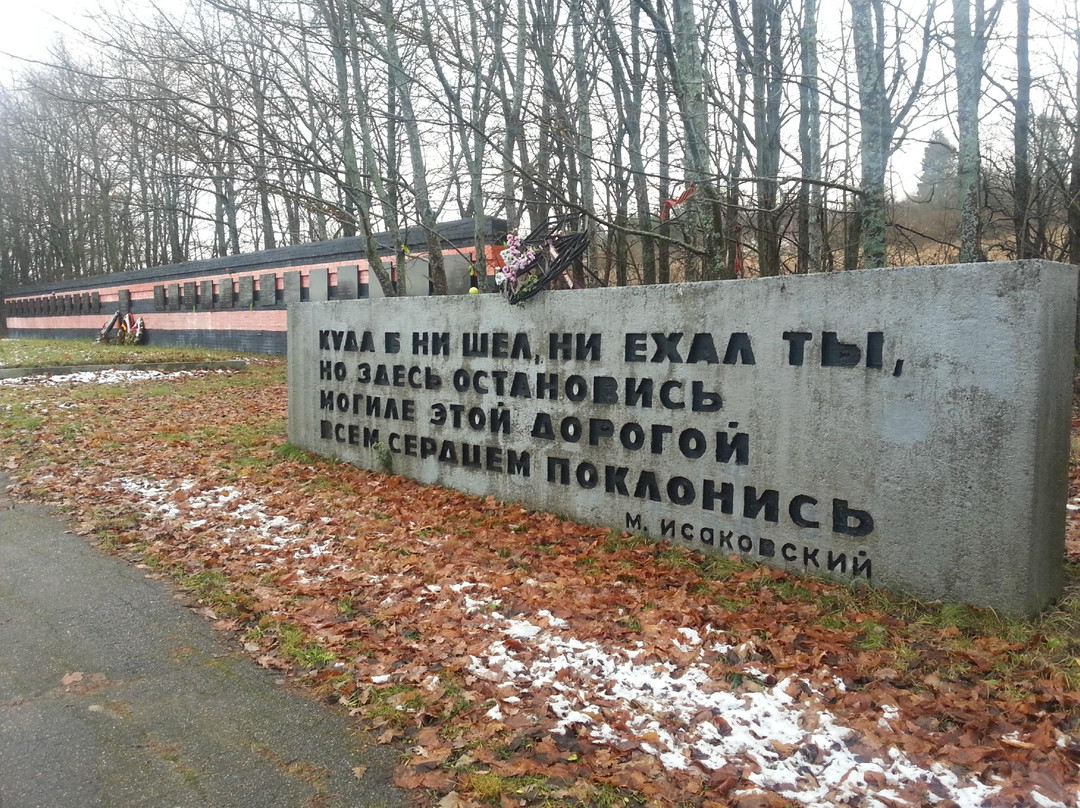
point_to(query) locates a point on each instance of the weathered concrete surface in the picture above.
(113, 695)
(348, 283)
(226, 293)
(907, 426)
(245, 298)
(293, 286)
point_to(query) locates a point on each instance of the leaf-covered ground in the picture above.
(521, 659)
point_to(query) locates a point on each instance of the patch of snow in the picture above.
(248, 522)
(692, 639)
(679, 715)
(475, 604)
(102, 377)
(552, 620)
(315, 550)
(522, 629)
(1046, 802)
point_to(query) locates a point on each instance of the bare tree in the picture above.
(885, 102)
(762, 55)
(810, 241)
(1022, 134)
(680, 45)
(969, 49)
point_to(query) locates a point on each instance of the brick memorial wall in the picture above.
(908, 428)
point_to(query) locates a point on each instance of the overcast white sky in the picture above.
(29, 27)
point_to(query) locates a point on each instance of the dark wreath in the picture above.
(535, 262)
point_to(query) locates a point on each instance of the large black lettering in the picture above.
(795, 511)
(768, 500)
(739, 350)
(797, 346)
(647, 487)
(837, 354)
(667, 347)
(702, 349)
(726, 497)
(850, 521)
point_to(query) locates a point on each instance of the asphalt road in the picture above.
(113, 694)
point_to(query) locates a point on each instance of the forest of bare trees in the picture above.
(239, 125)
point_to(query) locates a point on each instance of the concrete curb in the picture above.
(164, 367)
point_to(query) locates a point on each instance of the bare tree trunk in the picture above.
(767, 67)
(317, 218)
(137, 154)
(621, 253)
(220, 244)
(364, 117)
(172, 186)
(852, 216)
(637, 162)
(968, 64)
(881, 114)
(496, 16)
(231, 225)
(628, 91)
(416, 153)
(262, 180)
(969, 48)
(468, 117)
(363, 198)
(734, 193)
(809, 145)
(1022, 136)
(663, 247)
(681, 48)
(583, 144)
(868, 32)
(335, 20)
(1074, 174)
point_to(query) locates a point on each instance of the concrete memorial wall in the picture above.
(908, 428)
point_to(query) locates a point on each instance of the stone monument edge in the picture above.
(1052, 356)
